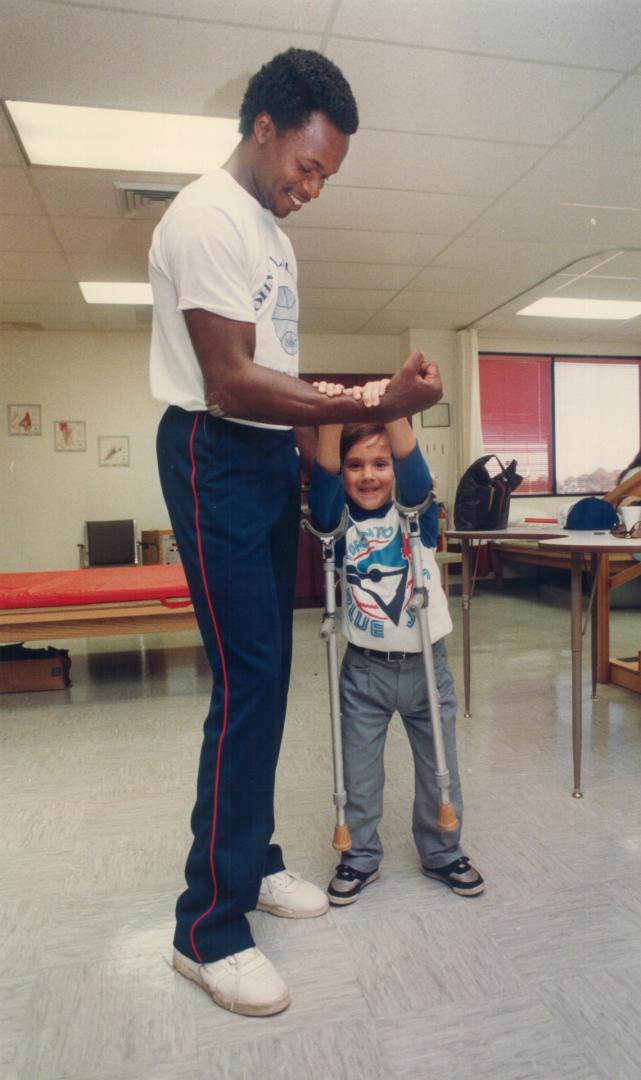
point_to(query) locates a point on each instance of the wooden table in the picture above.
(578, 545)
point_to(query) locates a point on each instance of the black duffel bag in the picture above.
(483, 501)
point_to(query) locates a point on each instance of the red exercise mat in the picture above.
(103, 585)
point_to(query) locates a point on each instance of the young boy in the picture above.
(383, 667)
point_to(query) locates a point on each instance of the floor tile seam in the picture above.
(599, 971)
(501, 956)
(96, 962)
(574, 895)
(454, 1013)
(584, 1050)
(243, 1032)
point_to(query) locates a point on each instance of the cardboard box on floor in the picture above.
(23, 670)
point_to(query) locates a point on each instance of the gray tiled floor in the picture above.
(539, 979)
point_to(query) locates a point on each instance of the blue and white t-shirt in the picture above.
(218, 249)
(375, 560)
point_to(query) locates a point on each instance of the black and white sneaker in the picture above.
(460, 876)
(347, 883)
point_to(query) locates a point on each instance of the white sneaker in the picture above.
(245, 982)
(287, 895)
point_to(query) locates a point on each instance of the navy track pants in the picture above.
(233, 495)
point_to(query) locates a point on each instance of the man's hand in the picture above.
(416, 386)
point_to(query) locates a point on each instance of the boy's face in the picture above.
(368, 473)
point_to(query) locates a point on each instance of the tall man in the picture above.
(224, 356)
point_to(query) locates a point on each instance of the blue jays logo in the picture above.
(379, 578)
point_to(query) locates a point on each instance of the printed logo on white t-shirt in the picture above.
(285, 319)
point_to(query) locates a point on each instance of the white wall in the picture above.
(101, 378)
(439, 444)
(47, 496)
(351, 352)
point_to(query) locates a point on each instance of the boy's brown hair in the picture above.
(353, 433)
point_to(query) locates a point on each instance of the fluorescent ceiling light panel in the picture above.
(87, 138)
(116, 292)
(560, 307)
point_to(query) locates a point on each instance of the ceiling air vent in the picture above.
(144, 200)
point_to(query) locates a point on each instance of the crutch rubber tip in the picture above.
(447, 820)
(342, 840)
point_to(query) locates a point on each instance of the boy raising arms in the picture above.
(383, 668)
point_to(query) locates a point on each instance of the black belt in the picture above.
(378, 654)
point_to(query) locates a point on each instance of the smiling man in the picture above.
(224, 356)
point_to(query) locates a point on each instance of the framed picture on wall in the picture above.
(70, 435)
(24, 420)
(113, 450)
(437, 416)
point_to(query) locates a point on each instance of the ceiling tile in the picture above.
(404, 211)
(51, 316)
(405, 162)
(344, 299)
(397, 322)
(540, 259)
(416, 301)
(116, 317)
(322, 321)
(9, 152)
(349, 275)
(30, 266)
(615, 124)
(468, 279)
(602, 34)
(39, 292)
(16, 193)
(348, 245)
(21, 233)
(105, 237)
(302, 15)
(80, 56)
(595, 287)
(469, 96)
(108, 267)
(596, 229)
(555, 330)
(578, 174)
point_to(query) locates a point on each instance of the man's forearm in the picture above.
(237, 387)
(258, 393)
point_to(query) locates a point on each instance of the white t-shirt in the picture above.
(377, 585)
(218, 249)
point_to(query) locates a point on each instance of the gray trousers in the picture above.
(372, 690)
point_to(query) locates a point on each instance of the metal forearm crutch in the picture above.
(418, 603)
(342, 840)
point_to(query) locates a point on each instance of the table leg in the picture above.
(577, 699)
(594, 623)
(465, 598)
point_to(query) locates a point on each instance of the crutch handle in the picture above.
(342, 840)
(447, 820)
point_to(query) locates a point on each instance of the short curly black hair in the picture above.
(294, 84)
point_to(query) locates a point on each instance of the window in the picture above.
(516, 416)
(572, 423)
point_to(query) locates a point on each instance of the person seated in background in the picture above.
(383, 667)
(630, 470)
